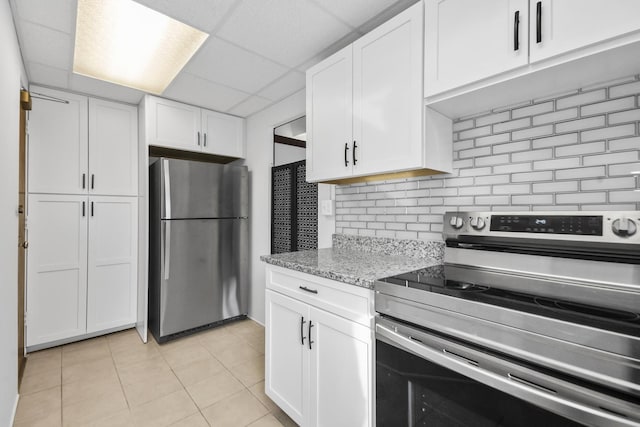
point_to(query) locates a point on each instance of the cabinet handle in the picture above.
(310, 342)
(83, 209)
(91, 208)
(353, 153)
(198, 138)
(311, 291)
(346, 148)
(84, 179)
(302, 322)
(205, 139)
(516, 30)
(539, 22)
(93, 181)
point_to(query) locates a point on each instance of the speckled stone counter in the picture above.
(360, 261)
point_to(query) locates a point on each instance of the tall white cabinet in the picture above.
(82, 217)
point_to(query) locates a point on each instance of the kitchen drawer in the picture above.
(349, 301)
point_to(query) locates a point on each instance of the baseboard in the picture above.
(257, 321)
(15, 410)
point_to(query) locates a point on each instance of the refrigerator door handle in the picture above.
(167, 248)
(167, 189)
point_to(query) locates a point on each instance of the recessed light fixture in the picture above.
(124, 42)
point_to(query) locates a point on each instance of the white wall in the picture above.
(259, 161)
(10, 74)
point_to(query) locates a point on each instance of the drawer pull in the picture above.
(311, 291)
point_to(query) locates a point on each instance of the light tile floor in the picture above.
(213, 378)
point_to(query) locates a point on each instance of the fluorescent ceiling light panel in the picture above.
(123, 42)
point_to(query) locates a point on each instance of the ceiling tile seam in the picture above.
(28, 63)
(247, 99)
(288, 67)
(274, 102)
(330, 13)
(214, 82)
(225, 18)
(45, 26)
(276, 81)
(14, 9)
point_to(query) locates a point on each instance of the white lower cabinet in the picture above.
(81, 266)
(318, 364)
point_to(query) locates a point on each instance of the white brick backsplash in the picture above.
(582, 124)
(538, 199)
(532, 176)
(557, 163)
(610, 132)
(512, 124)
(493, 118)
(603, 159)
(552, 141)
(532, 110)
(492, 139)
(608, 183)
(608, 106)
(575, 150)
(557, 116)
(543, 154)
(624, 116)
(581, 99)
(581, 198)
(510, 160)
(555, 187)
(532, 132)
(626, 89)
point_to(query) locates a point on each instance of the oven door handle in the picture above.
(507, 382)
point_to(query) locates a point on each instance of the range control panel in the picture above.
(552, 224)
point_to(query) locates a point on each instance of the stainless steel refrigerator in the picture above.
(198, 246)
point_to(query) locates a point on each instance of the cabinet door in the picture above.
(57, 143)
(113, 148)
(329, 117)
(387, 95)
(287, 357)
(340, 370)
(56, 267)
(222, 134)
(173, 125)
(571, 24)
(112, 260)
(469, 40)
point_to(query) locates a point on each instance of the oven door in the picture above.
(425, 379)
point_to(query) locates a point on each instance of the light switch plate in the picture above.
(326, 207)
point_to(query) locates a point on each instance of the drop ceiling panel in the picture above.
(59, 14)
(355, 12)
(285, 86)
(250, 106)
(197, 91)
(229, 65)
(103, 89)
(287, 31)
(202, 14)
(46, 46)
(47, 76)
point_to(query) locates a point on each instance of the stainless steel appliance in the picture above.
(198, 245)
(533, 320)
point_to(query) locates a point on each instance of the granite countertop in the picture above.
(360, 262)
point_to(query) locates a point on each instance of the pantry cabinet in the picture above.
(80, 145)
(319, 349)
(365, 111)
(171, 124)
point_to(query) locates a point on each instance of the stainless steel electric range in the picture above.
(533, 320)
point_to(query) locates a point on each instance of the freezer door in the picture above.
(193, 189)
(204, 272)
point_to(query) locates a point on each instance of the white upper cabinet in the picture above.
(365, 112)
(223, 134)
(58, 149)
(180, 126)
(113, 148)
(559, 26)
(112, 262)
(469, 40)
(330, 117)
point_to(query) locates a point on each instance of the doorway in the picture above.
(294, 201)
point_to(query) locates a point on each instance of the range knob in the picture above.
(477, 223)
(456, 222)
(624, 227)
